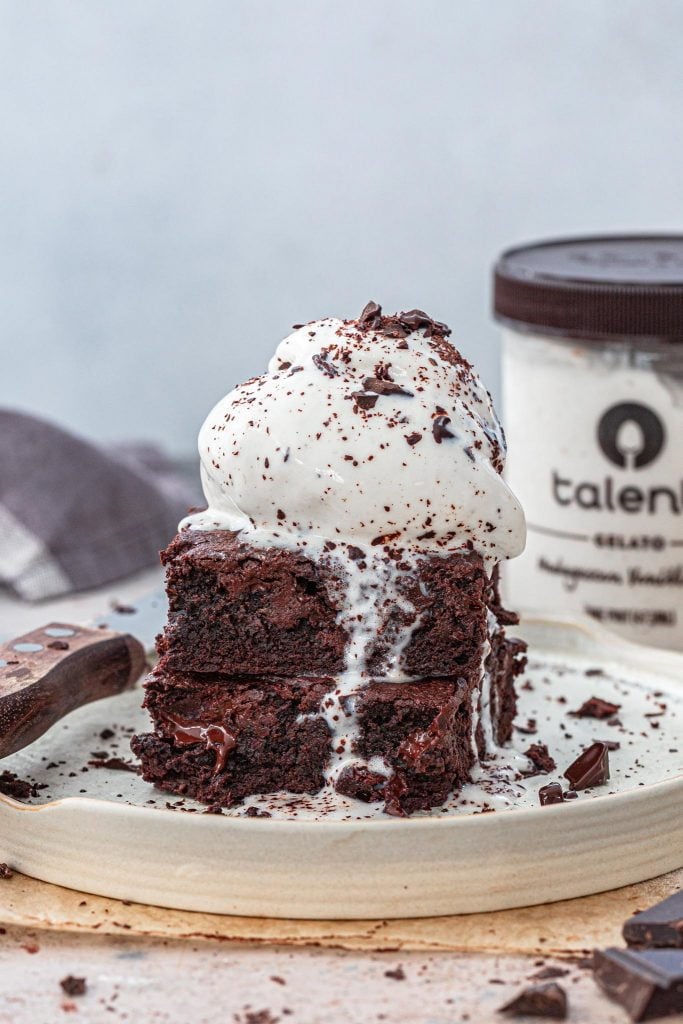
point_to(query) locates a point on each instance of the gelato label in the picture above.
(595, 455)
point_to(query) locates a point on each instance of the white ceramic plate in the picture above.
(110, 833)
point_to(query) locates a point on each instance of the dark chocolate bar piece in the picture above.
(661, 925)
(648, 983)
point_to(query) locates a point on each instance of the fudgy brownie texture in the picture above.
(220, 739)
(237, 609)
(504, 663)
(423, 731)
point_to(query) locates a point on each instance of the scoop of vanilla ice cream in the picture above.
(371, 432)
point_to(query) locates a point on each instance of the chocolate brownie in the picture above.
(423, 732)
(238, 609)
(220, 739)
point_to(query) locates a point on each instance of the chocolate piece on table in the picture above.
(72, 986)
(548, 1001)
(40, 683)
(648, 983)
(591, 767)
(661, 925)
(551, 794)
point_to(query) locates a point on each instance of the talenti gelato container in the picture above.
(593, 394)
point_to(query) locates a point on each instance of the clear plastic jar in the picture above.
(594, 421)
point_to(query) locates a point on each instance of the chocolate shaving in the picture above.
(595, 707)
(401, 324)
(322, 364)
(384, 387)
(440, 428)
(371, 315)
(366, 402)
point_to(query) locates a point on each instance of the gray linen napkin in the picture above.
(74, 515)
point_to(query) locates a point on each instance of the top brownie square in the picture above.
(238, 609)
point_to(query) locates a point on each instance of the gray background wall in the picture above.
(180, 181)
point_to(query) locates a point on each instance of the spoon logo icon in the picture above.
(630, 435)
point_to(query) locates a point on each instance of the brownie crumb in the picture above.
(5, 871)
(18, 789)
(540, 758)
(72, 986)
(397, 973)
(257, 812)
(115, 763)
(549, 1001)
(107, 734)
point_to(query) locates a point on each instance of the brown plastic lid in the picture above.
(594, 288)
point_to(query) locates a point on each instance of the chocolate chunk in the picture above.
(107, 734)
(5, 871)
(371, 315)
(394, 790)
(73, 986)
(322, 364)
(365, 402)
(361, 783)
(216, 737)
(440, 428)
(660, 925)
(384, 387)
(540, 758)
(419, 743)
(550, 794)
(591, 767)
(595, 707)
(413, 438)
(548, 1001)
(647, 983)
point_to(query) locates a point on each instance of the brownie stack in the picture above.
(254, 648)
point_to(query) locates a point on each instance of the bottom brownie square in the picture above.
(219, 739)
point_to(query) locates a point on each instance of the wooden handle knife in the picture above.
(55, 669)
